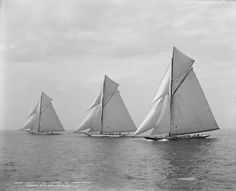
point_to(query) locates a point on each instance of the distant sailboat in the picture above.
(108, 115)
(43, 119)
(180, 106)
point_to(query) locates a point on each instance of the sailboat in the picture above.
(180, 107)
(43, 119)
(108, 115)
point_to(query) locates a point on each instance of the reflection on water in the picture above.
(188, 162)
(86, 163)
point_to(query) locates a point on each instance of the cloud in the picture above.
(120, 29)
(65, 47)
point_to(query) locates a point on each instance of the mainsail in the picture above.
(43, 117)
(180, 104)
(108, 113)
(192, 113)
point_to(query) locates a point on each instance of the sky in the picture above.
(64, 48)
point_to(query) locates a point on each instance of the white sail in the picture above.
(43, 117)
(116, 117)
(110, 88)
(31, 123)
(191, 111)
(181, 66)
(87, 123)
(96, 101)
(45, 101)
(97, 124)
(186, 110)
(49, 120)
(156, 118)
(164, 87)
(32, 120)
(151, 119)
(35, 110)
(108, 113)
(162, 126)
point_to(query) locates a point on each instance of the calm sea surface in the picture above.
(76, 162)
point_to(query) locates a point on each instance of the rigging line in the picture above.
(101, 103)
(45, 108)
(117, 91)
(182, 80)
(40, 104)
(200, 131)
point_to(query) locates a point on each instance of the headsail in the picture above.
(151, 119)
(157, 116)
(163, 122)
(34, 110)
(32, 120)
(31, 123)
(164, 87)
(97, 122)
(96, 101)
(88, 122)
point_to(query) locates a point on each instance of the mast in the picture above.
(103, 85)
(171, 100)
(39, 112)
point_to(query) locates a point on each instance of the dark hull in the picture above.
(45, 133)
(177, 138)
(154, 138)
(103, 135)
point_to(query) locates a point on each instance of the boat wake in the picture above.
(163, 140)
(188, 179)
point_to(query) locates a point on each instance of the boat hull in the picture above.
(103, 135)
(154, 138)
(177, 137)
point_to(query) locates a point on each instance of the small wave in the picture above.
(188, 179)
(148, 140)
(9, 164)
(163, 140)
(134, 177)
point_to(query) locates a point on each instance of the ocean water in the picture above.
(77, 162)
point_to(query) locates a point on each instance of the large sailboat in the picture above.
(108, 115)
(181, 109)
(43, 119)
